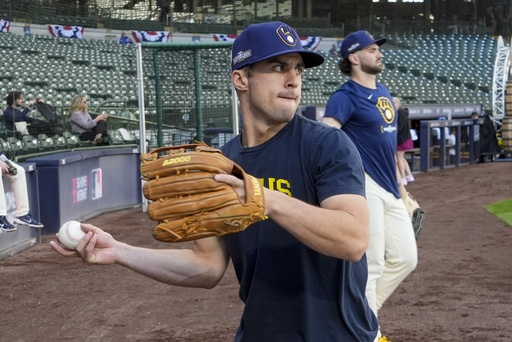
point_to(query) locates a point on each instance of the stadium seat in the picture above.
(117, 138)
(127, 136)
(47, 143)
(60, 142)
(31, 143)
(72, 140)
(17, 146)
(6, 148)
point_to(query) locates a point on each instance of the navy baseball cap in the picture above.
(358, 40)
(262, 41)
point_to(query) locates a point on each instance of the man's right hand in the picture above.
(96, 247)
(4, 167)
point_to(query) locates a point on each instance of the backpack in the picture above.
(52, 124)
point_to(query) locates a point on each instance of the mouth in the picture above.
(292, 97)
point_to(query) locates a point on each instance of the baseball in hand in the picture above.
(70, 234)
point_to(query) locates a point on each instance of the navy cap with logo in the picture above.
(262, 41)
(358, 40)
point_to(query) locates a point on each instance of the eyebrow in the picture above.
(370, 47)
(284, 62)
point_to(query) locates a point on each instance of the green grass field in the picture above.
(502, 210)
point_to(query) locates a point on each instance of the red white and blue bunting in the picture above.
(310, 42)
(5, 25)
(151, 36)
(220, 37)
(66, 31)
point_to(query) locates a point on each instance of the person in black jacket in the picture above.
(16, 112)
(165, 9)
(489, 146)
(404, 142)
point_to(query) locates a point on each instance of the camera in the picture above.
(12, 169)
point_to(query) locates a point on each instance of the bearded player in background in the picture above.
(364, 109)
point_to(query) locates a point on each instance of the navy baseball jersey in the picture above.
(291, 292)
(368, 116)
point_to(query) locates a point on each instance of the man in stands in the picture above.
(17, 177)
(16, 112)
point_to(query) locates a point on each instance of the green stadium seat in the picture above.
(17, 146)
(117, 138)
(31, 143)
(72, 140)
(47, 143)
(60, 142)
(6, 148)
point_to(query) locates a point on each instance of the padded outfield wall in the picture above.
(74, 185)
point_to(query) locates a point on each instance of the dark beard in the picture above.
(371, 70)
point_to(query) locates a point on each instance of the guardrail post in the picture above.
(424, 146)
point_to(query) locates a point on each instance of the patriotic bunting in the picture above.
(224, 37)
(5, 25)
(310, 42)
(66, 31)
(151, 36)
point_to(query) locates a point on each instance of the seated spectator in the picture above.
(333, 51)
(92, 129)
(17, 177)
(125, 40)
(16, 112)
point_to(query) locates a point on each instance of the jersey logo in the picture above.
(386, 109)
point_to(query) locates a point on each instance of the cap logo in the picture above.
(369, 35)
(353, 47)
(242, 56)
(287, 35)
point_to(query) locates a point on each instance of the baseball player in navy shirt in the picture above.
(302, 271)
(364, 109)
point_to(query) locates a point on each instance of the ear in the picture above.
(353, 58)
(239, 79)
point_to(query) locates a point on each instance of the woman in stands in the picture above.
(92, 129)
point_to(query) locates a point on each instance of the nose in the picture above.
(293, 79)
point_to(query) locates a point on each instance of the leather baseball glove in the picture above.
(188, 203)
(415, 212)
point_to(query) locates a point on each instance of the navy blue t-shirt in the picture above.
(291, 292)
(368, 116)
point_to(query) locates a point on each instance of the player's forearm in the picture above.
(329, 231)
(181, 267)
